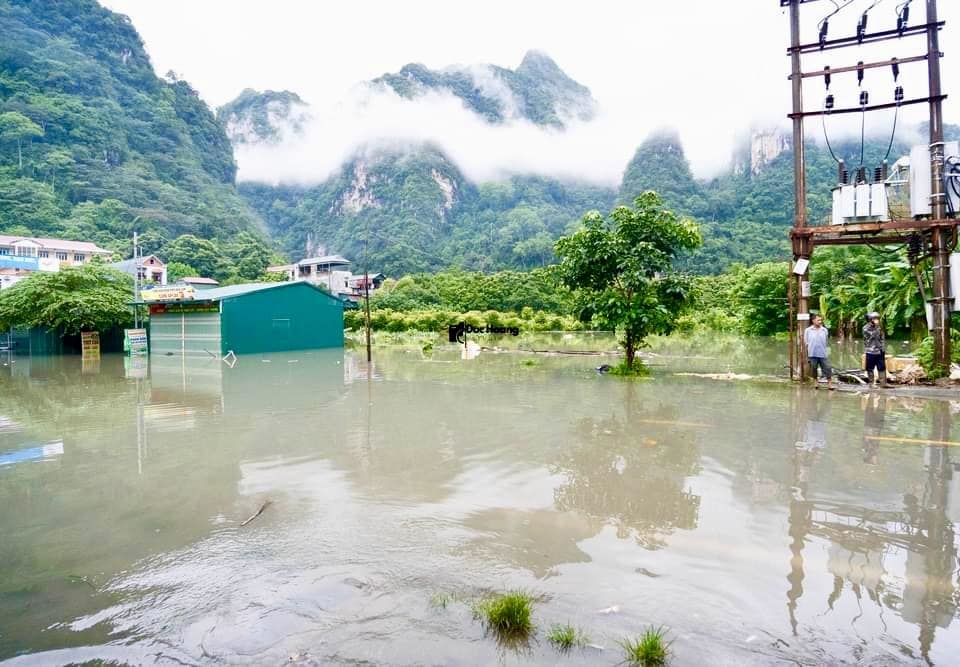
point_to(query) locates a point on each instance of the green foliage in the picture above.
(87, 298)
(648, 650)
(422, 215)
(635, 369)
(543, 93)
(458, 290)
(178, 270)
(760, 298)
(622, 272)
(507, 614)
(566, 637)
(438, 320)
(257, 111)
(93, 146)
(924, 354)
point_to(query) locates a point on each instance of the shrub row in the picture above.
(438, 320)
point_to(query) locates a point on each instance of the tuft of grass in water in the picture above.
(508, 614)
(565, 637)
(529, 362)
(638, 369)
(651, 649)
(443, 599)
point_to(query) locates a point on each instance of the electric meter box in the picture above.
(920, 178)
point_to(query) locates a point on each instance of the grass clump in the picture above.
(637, 369)
(651, 649)
(508, 614)
(442, 600)
(565, 637)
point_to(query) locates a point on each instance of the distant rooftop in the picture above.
(326, 259)
(195, 280)
(230, 291)
(56, 244)
(131, 264)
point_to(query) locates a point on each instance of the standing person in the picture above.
(873, 347)
(815, 336)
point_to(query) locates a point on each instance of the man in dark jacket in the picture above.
(874, 347)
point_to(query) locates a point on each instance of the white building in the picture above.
(21, 255)
(331, 271)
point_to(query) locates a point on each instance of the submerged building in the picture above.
(245, 319)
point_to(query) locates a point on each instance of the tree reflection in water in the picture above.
(631, 470)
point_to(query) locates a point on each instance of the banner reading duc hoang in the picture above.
(456, 332)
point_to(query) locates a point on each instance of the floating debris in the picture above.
(258, 513)
(615, 609)
(719, 376)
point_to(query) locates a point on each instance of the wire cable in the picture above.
(863, 128)
(893, 132)
(823, 119)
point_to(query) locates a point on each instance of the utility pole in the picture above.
(366, 291)
(136, 282)
(800, 249)
(939, 243)
(935, 232)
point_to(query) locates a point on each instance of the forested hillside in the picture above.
(414, 211)
(537, 91)
(94, 146)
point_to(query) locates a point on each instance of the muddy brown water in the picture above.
(759, 522)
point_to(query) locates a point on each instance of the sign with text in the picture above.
(90, 344)
(195, 307)
(18, 262)
(456, 333)
(179, 293)
(135, 341)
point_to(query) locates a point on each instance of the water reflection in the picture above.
(818, 520)
(903, 560)
(631, 467)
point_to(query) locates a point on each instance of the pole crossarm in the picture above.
(856, 68)
(869, 38)
(871, 107)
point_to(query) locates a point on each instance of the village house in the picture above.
(22, 255)
(151, 269)
(330, 271)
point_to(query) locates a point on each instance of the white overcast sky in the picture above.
(708, 68)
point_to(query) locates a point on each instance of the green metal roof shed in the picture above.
(245, 319)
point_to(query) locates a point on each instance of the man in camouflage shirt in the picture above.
(874, 348)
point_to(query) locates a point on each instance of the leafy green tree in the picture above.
(202, 254)
(25, 202)
(178, 270)
(15, 127)
(761, 298)
(622, 269)
(88, 298)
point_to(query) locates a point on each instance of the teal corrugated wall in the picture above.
(293, 317)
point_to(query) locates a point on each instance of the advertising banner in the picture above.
(135, 341)
(17, 262)
(90, 343)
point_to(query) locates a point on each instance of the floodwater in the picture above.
(759, 522)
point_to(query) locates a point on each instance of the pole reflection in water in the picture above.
(903, 559)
